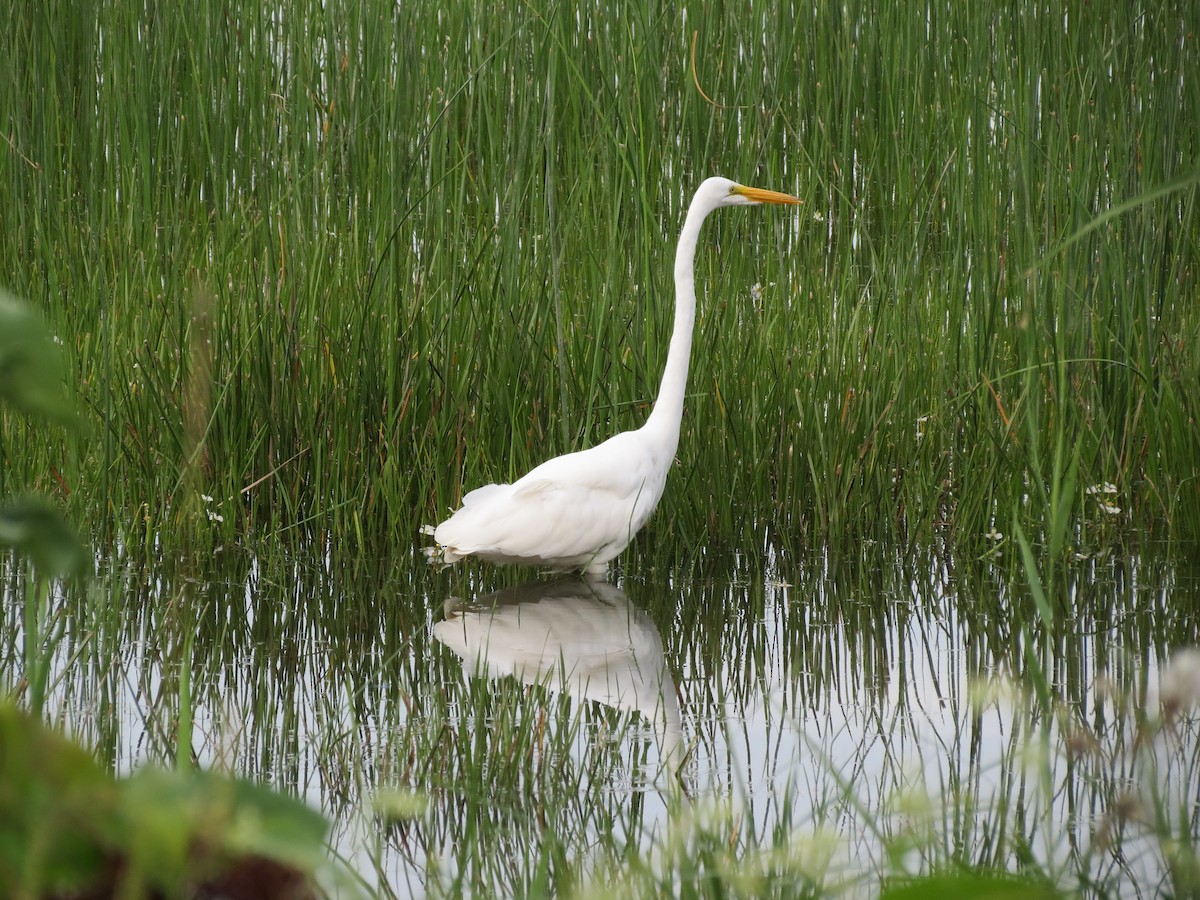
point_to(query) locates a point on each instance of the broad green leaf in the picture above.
(31, 370)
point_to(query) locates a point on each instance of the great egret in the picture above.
(578, 511)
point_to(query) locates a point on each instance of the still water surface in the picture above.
(868, 714)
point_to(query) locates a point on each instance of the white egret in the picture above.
(578, 511)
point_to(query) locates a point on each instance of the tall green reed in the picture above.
(439, 246)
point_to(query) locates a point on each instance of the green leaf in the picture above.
(179, 820)
(31, 370)
(66, 826)
(34, 528)
(277, 826)
(54, 802)
(969, 886)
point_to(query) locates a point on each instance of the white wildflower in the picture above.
(1109, 508)
(1106, 487)
(994, 535)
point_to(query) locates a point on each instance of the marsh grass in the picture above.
(438, 249)
(314, 275)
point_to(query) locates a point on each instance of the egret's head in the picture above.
(723, 192)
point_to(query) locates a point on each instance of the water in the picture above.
(861, 715)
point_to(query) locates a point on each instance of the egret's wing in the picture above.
(565, 510)
(480, 494)
(543, 520)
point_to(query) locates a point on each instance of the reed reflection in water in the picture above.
(864, 705)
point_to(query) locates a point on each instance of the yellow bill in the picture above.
(760, 195)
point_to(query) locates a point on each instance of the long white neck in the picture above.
(668, 409)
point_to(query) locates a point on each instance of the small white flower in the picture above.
(756, 292)
(994, 535)
(215, 517)
(921, 420)
(1109, 508)
(818, 217)
(1106, 488)
(206, 498)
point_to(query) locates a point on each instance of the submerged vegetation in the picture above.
(924, 553)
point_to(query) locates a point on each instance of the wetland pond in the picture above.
(333, 262)
(829, 720)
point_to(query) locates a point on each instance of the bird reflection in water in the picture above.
(575, 635)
